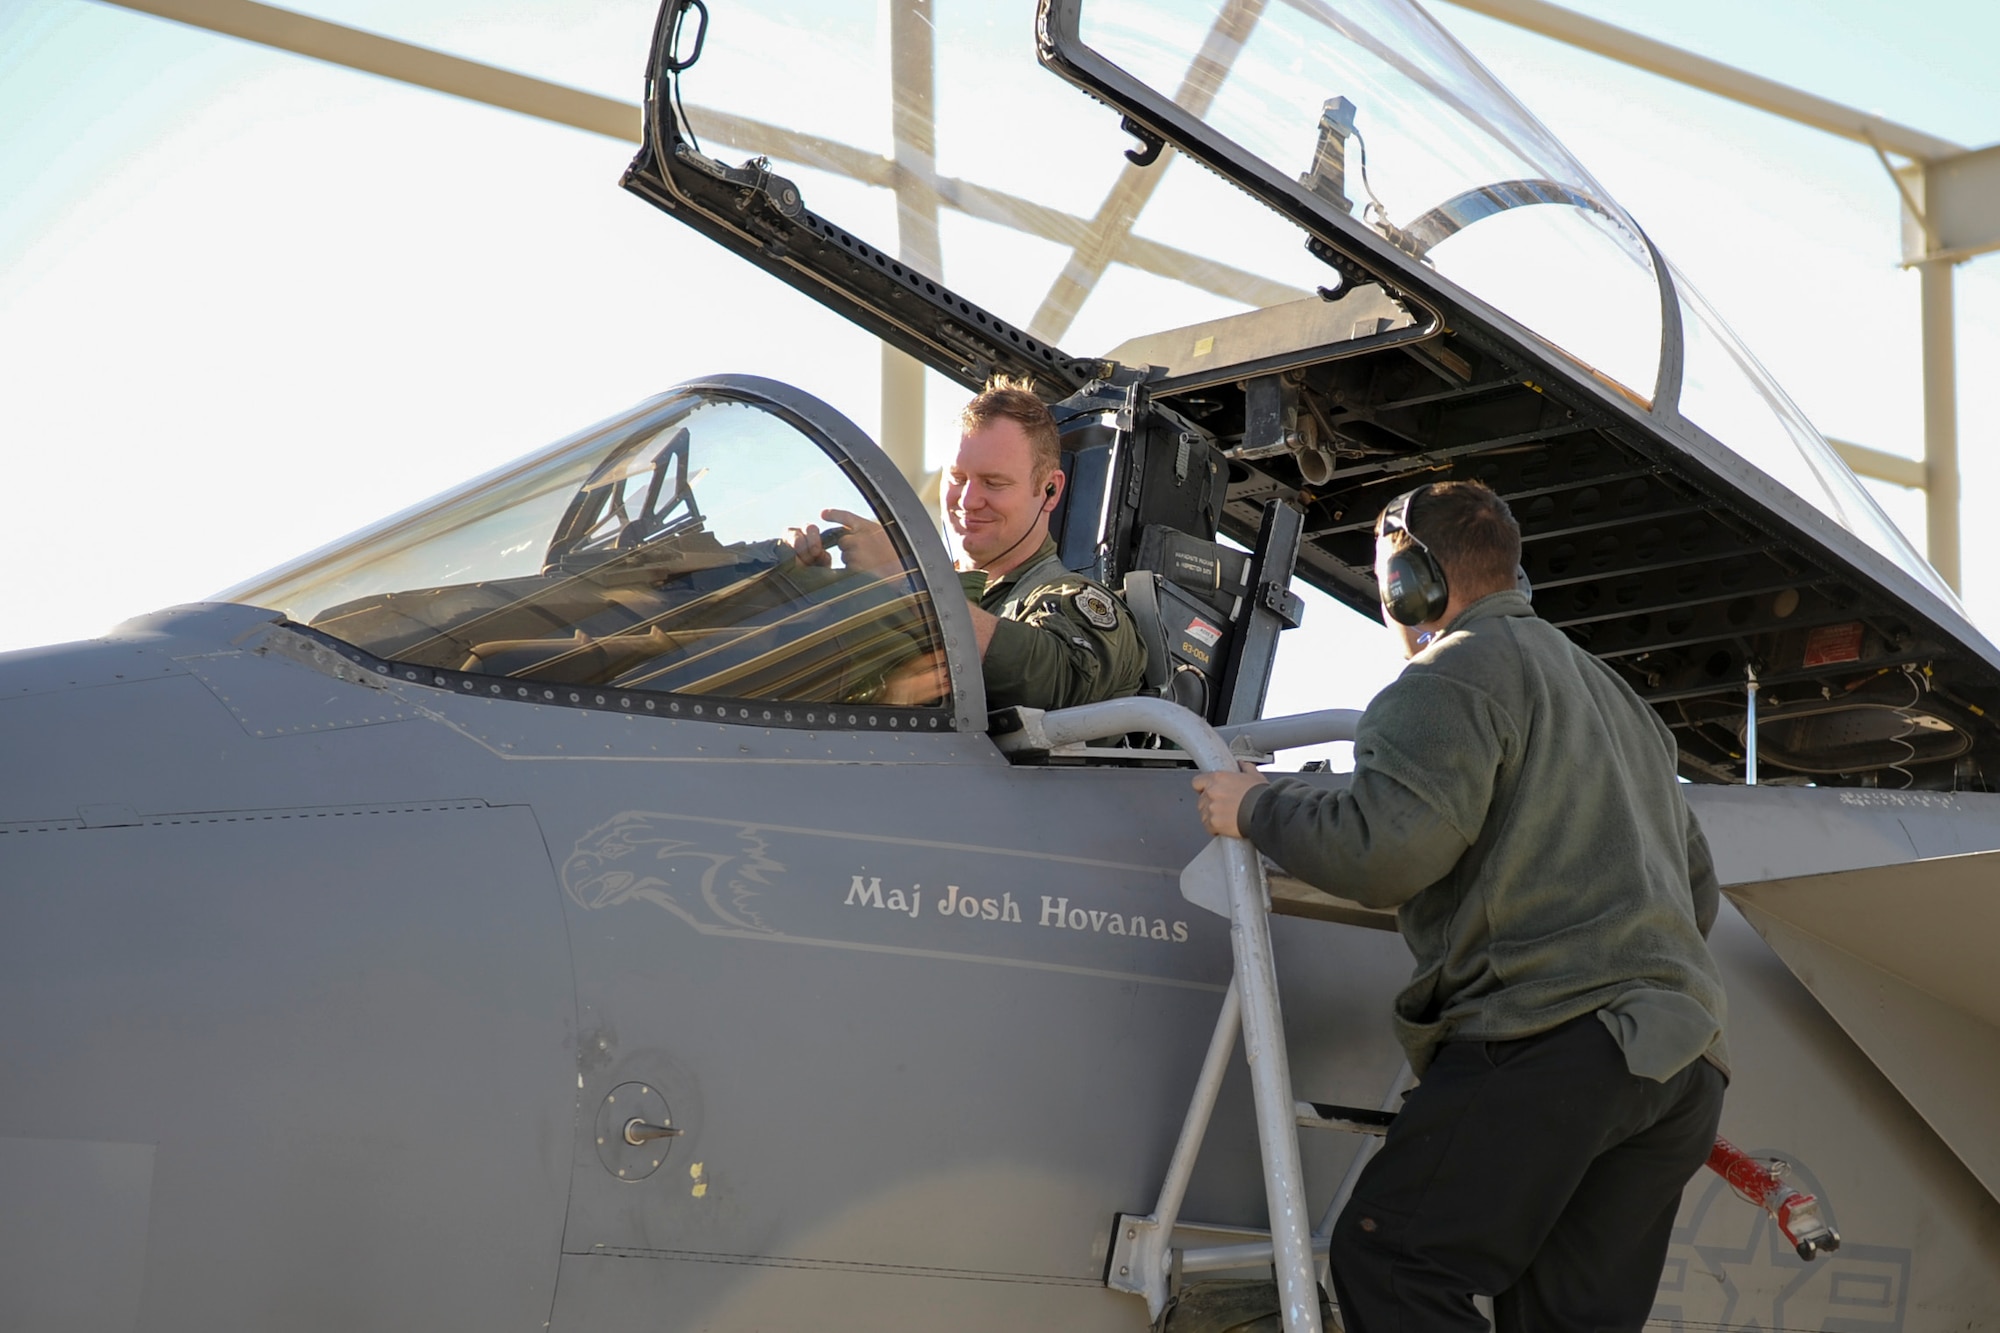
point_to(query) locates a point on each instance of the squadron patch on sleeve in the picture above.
(1097, 608)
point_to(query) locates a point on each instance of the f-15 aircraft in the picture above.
(538, 909)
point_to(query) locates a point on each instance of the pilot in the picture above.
(1048, 637)
(1516, 802)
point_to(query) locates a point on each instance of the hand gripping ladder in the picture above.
(1141, 1261)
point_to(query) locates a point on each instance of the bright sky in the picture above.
(249, 302)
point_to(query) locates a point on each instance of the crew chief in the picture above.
(1516, 802)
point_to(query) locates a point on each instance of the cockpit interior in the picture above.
(648, 554)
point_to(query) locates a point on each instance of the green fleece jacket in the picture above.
(1516, 802)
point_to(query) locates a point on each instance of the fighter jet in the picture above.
(553, 906)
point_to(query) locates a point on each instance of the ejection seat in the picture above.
(1141, 512)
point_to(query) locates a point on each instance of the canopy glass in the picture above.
(1379, 112)
(1374, 108)
(660, 552)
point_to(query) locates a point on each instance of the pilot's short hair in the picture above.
(1470, 531)
(1015, 400)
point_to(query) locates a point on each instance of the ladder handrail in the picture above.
(1293, 730)
(1256, 985)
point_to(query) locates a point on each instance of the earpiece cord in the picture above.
(1048, 493)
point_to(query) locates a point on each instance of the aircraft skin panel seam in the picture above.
(746, 760)
(951, 956)
(579, 1111)
(832, 1265)
(79, 687)
(252, 815)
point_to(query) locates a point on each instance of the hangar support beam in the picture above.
(913, 150)
(1940, 419)
(1683, 66)
(910, 170)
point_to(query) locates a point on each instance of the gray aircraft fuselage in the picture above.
(488, 983)
(320, 989)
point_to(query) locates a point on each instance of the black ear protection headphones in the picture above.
(1413, 588)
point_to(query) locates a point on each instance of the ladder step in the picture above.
(1244, 1254)
(1347, 1119)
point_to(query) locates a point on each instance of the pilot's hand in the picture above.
(919, 681)
(1220, 795)
(805, 544)
(865, 545)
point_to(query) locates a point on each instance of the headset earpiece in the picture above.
(1413, 588)
(1048, 494)
(1415, 593)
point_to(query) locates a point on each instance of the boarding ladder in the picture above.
(1228, 879)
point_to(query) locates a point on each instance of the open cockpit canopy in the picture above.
(1374, 118)
(1315, 244)
(1359, 128)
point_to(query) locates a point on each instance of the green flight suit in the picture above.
(1062, 640)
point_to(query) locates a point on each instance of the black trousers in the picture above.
(1540, 1172)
